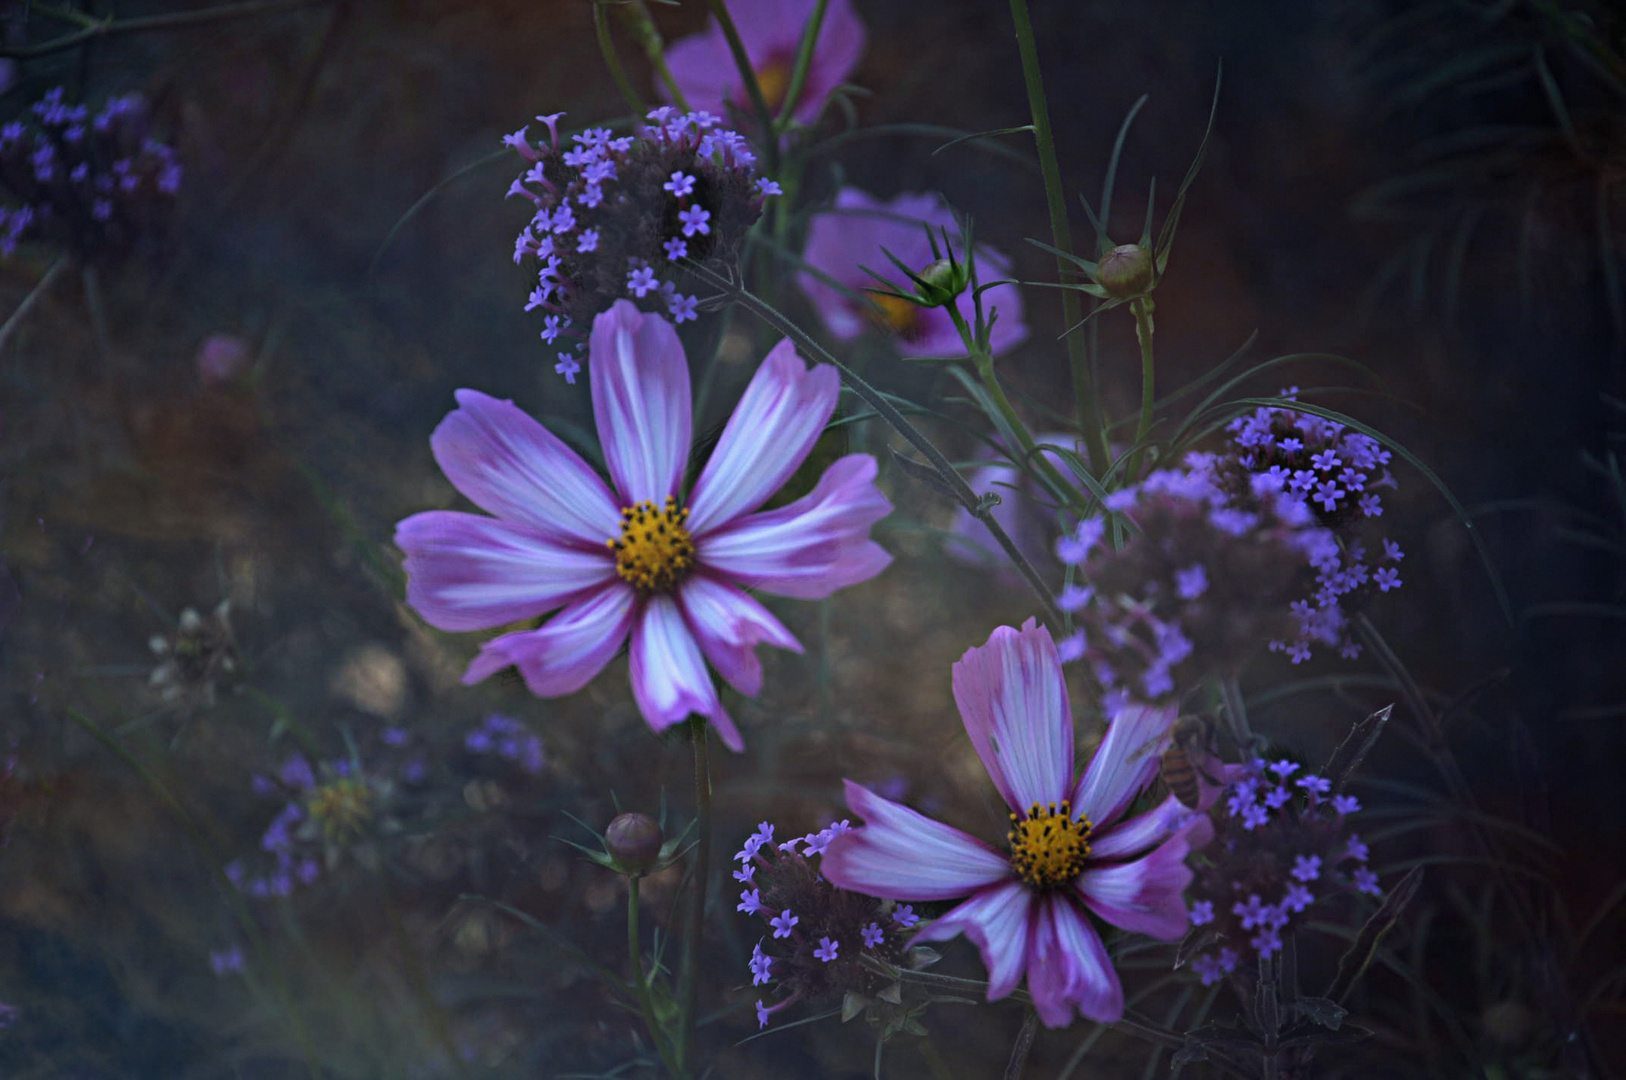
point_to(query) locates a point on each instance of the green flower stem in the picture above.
(872, 397)
(1087, 406)
(606, 47)
(1024, 1044)
(748, 75)
(646, 1004)
(984, 363)
(804, 60)
(687, 987)
(1142, 306)
(636, 17)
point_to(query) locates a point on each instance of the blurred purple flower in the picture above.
(222, 358)
(771, 31)
(632, 559)
(854, 233)
(1027, 909)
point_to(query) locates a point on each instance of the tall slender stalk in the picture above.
(646, 1004)
(1142, 307)
(612, 61)
(804, 60)
(687, 982)
(1023, 1045)
(748, 75)
(636, 17)
(1086, 405)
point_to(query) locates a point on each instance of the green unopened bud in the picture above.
(634, 841)
(1126, 271)
(941, 282)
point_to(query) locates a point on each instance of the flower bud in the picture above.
(941, 282)
(634, 841)
(1126, 271)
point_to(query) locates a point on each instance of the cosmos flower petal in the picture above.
(776, 423)
(511, 466)
(669, 678)
(901, 854)
(729, 624)
(1125, 762)
(640, 384)
(468, 572)
(1145, 896)
(1135, 835)
(813, 546)
(1068, 967)
(564, 654)
(1013, 699)
(998, 920)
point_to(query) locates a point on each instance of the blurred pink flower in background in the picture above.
(1027, 910)
(222, 358)
(633, 558)
(853, 234)
(771, 31)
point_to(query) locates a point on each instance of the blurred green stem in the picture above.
(636, 17)
(1087, 406)
(635, 953)
(697, 901)
(1142, 306)
(1024, 1044)
(40, 288)
(804, 60)
(753, 88)
(953, 484)
(618, 74)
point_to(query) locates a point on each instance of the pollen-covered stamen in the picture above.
(1048, 846)
(654, 551)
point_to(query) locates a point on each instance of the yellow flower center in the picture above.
(654, 551)
(1049, 847)
(896, 316)
(341, 807)
(773, 78)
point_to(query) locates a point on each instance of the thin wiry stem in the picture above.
(636, 17)
(804, 60)
(953, 482)
(15, 319)
(1023, 1045)
(687, 982)
(646, 1004)
(1142, 307)
(612, 61)
(91, 27)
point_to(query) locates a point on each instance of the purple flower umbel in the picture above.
(771, 31)
(1069, 849)
(853, 234)
(638, 556)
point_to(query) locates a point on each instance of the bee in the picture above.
(1180, 765)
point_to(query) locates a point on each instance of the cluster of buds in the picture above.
(93, 184)
(1196, 587)
(1338, 474)
(191, 660)
(1282, 844)
(615, 214)
(328, 811)
(504, 737)
(819, 940)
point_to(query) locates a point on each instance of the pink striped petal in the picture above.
(669, 677)
(812, 547)
(1144, 896)
(999, 921)
(776, 423)
(729, 625)
(1124, 763)
(1013, 699)
(900, 854)
(1068, 967)
(1137, 834)
(513, 467)
(640, 387)
(562, 656)
(468, 572)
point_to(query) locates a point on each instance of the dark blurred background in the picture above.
(1428, 189)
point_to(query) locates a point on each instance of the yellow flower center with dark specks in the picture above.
(654, 551)
(1048, 846)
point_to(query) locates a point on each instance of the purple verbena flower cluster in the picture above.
(328, 811)
(1282, 844)
(505, 737)
(93, 184)
(817, 934)
(1201, 578)
(613, 213)
(1338, 474)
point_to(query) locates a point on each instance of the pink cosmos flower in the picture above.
(838, 243)
(771, 31)
(1026, 909)
(635, 556)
